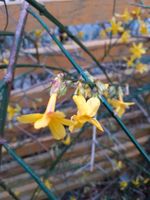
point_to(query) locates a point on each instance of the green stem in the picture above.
(49, 16)
(49, 194)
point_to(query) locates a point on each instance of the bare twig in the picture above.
(142, 109)
(93, 149)
(33, 138)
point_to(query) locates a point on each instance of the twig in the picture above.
(33, 138)
(114, 7)
(93, 149)
(143, 110)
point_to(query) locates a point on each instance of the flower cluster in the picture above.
(135, 182)
(87, 103)
(56, 121)
(125, 27)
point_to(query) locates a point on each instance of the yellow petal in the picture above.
(120, 110)
(30, 118)
(81, 104)
(113, 102)
(57, 129)
(66, 122)
(61, 117)
(96, 123)
(58, 114)
(76, 124)
(42, 122)
(48, 184)
(93, 106)
(129, 103)
(51, 103)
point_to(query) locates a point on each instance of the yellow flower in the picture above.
(125, 16)
(143, 28)
(137, 50)
(86, 112)
(125, 36)
(120, 106)
(123, 185)
(136, 182)
(141, 68)
(118, 165)
(12, 111)
(38, 33)
(48, 184)
(6, 61)
(130, 61)
(116, 27)
(54, 120)
(136, 12)
(80, 34)
(147, 180)
(103, 34)
(73, 198)
(17, 193)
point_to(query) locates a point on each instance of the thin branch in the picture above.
(93, 149)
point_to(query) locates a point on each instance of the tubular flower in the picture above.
(115, 27)
(137, 50)
(54, 120)
(120, 106)
(86, 112)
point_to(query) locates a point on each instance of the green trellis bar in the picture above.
(91, 84)
(49, 194)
